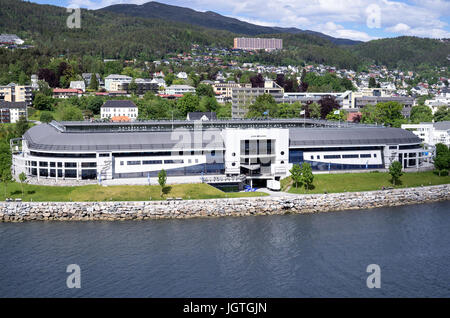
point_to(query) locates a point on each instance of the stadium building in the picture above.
(246, 150)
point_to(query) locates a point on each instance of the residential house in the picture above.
(119, 109)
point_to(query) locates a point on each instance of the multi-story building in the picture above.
(115, 83)
(225, 90)
(242, 97)
(179, 90)
(408, 102)
(344, 98)
(268, 44)
(431, 133)
(252, 151)
(124, 109)
(10, 112)
(16, 93)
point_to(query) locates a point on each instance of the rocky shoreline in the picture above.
(117, 211)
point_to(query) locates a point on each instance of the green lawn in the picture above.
(116, 193)
(354, 182)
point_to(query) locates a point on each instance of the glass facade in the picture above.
(205, 169)
(296, 157)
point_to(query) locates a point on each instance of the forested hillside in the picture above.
(109, 35)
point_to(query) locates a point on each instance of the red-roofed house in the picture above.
(66, 92)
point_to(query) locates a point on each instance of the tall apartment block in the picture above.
(16, 93)
(258, 44)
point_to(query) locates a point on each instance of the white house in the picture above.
(182, 75)
(119, 110)
(78, 85)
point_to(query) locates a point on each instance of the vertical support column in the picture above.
(78, 171)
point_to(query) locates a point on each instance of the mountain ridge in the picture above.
(211, 19)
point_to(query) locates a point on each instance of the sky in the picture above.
(362, 20)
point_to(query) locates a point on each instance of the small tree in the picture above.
(296, 174)
(6, 178)
(22, 178)
(162, 178)
(94, 82)
(442, 158)
(46, 117)
(395, 170)
(307, 175)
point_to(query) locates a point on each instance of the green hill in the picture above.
(209, 19)
(105, 34)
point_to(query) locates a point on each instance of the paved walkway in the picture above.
(277, 193)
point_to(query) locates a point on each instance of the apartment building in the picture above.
(10, 112)
(268, 44)
(16, 93)
(408, 102)
(115, 83)
(242, 97)
(225, 90)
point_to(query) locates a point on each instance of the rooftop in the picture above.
(119, 104)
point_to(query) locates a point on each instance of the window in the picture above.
(152, 162)
(70, 164)
(350, 156)
(365, 156)
(89, 165)
(233, 164)
(43, 164)
(282, 153)
(374, 155)
(104, 155)
(173, 161)
(133, 163)
(318, 157)
(282, 162)
(312, 157)
(121, 163)
(332, 157)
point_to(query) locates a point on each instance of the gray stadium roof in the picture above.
(47, 138)
(350, 136)
(442, 125)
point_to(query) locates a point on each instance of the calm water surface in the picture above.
(319, 255)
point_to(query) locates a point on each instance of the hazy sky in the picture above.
(353, 19)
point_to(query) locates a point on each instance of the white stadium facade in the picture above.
(249, 150)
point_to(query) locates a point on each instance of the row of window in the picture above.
(350, 156)
(45, 164)
(157, 162)
(85, 174)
